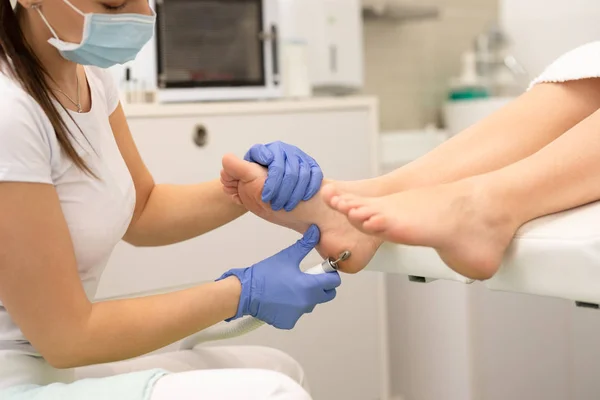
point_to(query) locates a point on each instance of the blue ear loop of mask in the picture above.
(107, 39)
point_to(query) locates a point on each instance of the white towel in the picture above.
(580, 63)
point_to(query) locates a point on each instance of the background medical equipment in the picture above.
(249, 50)
(498, 68)
(209, 50)
(490, 78)
(332, 34)
(246, 325)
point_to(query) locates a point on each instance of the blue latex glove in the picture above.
(293, 175)
(277, 292)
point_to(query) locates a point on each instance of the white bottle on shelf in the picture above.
(295, 73)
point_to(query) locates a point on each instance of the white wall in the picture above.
(544, 29)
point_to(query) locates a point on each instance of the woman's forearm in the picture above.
(513, 133)
(123, 329)
(175, 213)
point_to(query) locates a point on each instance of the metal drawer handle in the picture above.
(200, 136)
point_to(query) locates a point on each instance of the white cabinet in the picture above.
(341, 345)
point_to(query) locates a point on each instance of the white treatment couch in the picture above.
(554, 256)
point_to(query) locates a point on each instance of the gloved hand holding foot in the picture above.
(293, 175)
(277, 292)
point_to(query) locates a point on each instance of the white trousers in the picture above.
(229, 384)
(217, 373)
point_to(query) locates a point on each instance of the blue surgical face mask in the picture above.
(108, 39)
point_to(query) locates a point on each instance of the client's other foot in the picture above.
(460, 221)
(245, 181)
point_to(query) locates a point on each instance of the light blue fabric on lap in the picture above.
(131, 386)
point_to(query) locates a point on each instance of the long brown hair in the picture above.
(20, 61)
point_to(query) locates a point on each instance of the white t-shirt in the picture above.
(97, 211)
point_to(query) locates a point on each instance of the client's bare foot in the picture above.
(467, 228)
(245, 181)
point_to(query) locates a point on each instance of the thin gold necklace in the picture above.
(78, 102)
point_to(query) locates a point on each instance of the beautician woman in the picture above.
(72, 185)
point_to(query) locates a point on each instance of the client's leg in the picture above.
(337, 234)
(472, 221)
(514, 132)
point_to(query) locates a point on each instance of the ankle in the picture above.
(502, 205)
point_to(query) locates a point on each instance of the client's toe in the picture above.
(330, 195)
(359, 215)
(377, 225)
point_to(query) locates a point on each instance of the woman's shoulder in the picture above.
(14, 99)
(11, 92)
(26, 144)
(19, 112)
